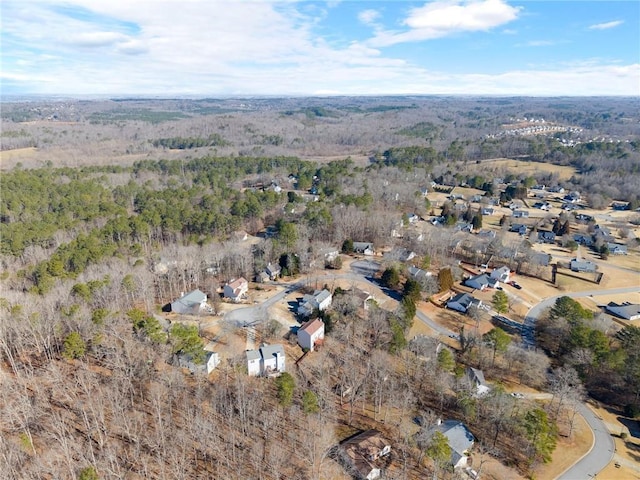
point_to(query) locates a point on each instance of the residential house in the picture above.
(582, 239)
(579, 265)
(211, 361)
(617, 249)
(320, 300)
(273, 271)
(236, 289)
(583, 217)
(192, 303)
(572, 197)
(488, 234)
(603, 234)
(419, 274)
(462, 302)
(362, 454)
(364, 297)
(424, 191)
(621, 205)
(399, 254)
(487, 211)
(556, 189)
(475, 199)
(268, 360)
(364, 248)
(460, 440)
(546, 237)
(501, 274)
(520, 214)
(262, 277)
(329, 254)
(518, 228)
(627, 310)
(479, 282)
(311, 334)
(477, 381)
(542, 206)
(464, 227)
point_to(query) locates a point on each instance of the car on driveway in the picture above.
(515, 285)
(517, 395)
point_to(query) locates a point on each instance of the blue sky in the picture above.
(288, 47)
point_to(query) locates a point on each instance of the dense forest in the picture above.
(108, 190)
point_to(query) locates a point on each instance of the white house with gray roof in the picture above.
(320, 300)
(191, 304)
(460, 440)
(268, 360)
(628, 311)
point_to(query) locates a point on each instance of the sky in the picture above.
(288, 47)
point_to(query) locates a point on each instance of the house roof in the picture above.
(196, 297)
(476, 376)
(272, 269)
(463, 299)
(312, 326)
(322, 295)
(362, 294)
(362, 246)
(630, 311)
(459, 436)
(238, 282)
(271, 350)
(253, 355)
(482, 279)
(501, 270)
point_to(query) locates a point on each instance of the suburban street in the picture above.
(601, 451)
(603, 447)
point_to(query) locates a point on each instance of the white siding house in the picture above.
(236, 289)
(310, 333)
(501, 274)
(192, 303)
(268, 360)
(320, 300)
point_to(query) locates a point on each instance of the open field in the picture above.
(519, 166)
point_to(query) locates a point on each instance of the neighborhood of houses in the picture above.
(367, 453)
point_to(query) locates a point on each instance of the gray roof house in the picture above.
(418, 274)
(192, 303)
(628, 311)
(268, 360)
(617, 249)
(320, 300)
(365, 248)
(460, 440)
(546, 237)
(518, 228)
(476, 378)
(462, 302)
(579, 265)
(480, 282)
(520, 214)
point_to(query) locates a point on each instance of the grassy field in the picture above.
(520, 166)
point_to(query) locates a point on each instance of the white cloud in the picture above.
(606, 26)
(207, 47)
(368, 17)
(539, 43)
(445, 17)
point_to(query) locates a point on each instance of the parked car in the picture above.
(517, 395)
(515, 285)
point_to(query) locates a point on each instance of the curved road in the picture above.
(603, 448)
